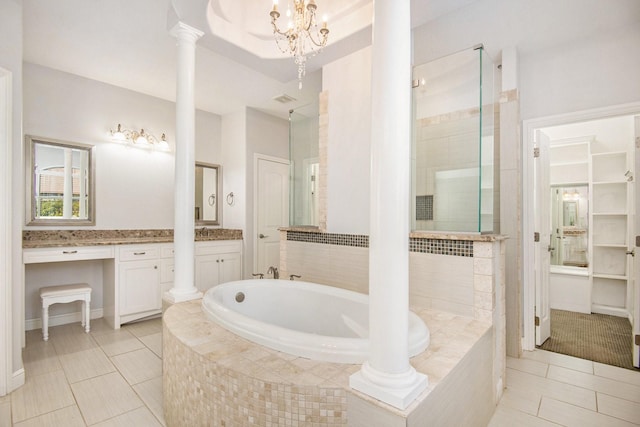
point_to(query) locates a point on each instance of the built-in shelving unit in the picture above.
(610, 221)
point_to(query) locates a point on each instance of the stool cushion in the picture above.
(65, 290)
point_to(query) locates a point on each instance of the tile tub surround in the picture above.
(59, 238)
(214, 377)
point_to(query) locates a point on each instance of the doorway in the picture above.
(271, 209)
(586, 266)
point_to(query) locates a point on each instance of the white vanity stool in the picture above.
(62, 294)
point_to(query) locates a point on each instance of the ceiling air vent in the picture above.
(284, 98)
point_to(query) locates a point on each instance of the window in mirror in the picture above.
(60, 182)
(207, 187)
(570, 222)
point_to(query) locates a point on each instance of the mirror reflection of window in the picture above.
(61, 182)
(207, 191)
(570, 222)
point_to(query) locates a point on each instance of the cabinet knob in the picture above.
(217, 260)
(222, 260)
(155, 267)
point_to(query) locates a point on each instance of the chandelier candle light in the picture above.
(302, 36)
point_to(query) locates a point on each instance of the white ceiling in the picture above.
(126, 42)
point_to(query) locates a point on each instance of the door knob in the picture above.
(262, 236)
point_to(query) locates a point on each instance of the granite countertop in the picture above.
(60, 238)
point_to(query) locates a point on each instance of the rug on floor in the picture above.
(596, 337)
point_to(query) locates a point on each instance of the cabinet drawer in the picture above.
(71, 253)
(220, 247)
(135, 253)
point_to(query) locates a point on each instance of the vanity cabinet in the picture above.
(217, 262)
(139, 281)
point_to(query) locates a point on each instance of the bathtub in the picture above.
(300, 318)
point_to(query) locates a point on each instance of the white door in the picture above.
(634, 284)
(272, 211)
(542, 257)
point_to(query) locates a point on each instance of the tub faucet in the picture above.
(274, 270)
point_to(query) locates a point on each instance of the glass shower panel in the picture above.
(303, 153)
(453, 144)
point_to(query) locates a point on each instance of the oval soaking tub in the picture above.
(300, 318)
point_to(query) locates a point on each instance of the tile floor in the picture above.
(550, 389)
(104, 378)
(114, 378)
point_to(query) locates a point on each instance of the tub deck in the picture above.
(215, 376)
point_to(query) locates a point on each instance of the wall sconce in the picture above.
(140, 139)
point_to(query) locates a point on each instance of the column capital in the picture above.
(183, 31)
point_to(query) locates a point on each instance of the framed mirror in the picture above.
(208, 187)
(60, 182)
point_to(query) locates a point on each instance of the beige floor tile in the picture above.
(41, 394)
(619, 408)
(616, 373)
(147, 327)
(104, 397)
(118, 342)
(66, 343)
(509, 417)
(521, 400)
(140, 417)
(5, 411)
(558, 359)
(595, 383)
(539, 387)
(67, 417)
(40, 359)
(86, 364)
(153, 342)
(569, 415)
(151, 394)
(138, 366)
(100, 326)
(527, 365)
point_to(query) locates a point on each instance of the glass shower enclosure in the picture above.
(454, 154)
(303, 153)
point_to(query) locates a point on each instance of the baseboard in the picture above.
(17, 379)
(61, 319)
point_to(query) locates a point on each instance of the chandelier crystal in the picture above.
(302, 37)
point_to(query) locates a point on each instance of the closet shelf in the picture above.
(609, 276)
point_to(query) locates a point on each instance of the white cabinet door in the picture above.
(207, 271)
(139, 283)
(230, 268)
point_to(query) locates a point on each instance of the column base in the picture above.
(173, 297)
(397, 390)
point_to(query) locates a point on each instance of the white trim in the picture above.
(61, 319)
(256, 157)
(529, 127)
(6, 313)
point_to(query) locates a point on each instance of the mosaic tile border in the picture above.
(450, 247)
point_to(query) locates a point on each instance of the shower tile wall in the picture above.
(457, 276)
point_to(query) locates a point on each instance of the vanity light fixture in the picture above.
(139, 139)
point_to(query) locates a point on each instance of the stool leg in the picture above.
(45, 322)
(82, 314)
(87, 311)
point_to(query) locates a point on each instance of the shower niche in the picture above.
(454, 187)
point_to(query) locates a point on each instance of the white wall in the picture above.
(134, 187)
(348, 83)
(11, 60)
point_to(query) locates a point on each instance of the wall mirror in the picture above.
(208, 185)
(570, 225)
(60, 182)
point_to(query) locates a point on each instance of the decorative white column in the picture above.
(184, 288)
(387, 375)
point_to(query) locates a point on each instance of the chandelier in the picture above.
(302, 36)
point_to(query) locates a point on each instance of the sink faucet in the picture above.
(273, 270)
